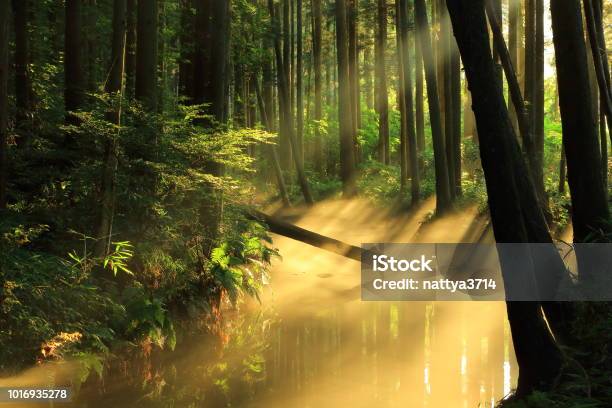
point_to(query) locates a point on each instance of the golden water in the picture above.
(313, 343)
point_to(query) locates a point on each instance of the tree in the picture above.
(318, 96)
(406, 92)
(23, 86)
(284, 105)
(299, 88)
(418, 97)
(382, 98)
(353, 69)
(506, 179)
(589, 205)
(441, 169)
(4, 73)
(345, 114)
(73, 64)
(114, 89)
(130, 53)
(146, 54)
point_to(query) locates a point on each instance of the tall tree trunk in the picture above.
(441, 169)
(506, 179)
(284, 104)
(411, 141)
(446, 93)
(514, 7)
(597, 41)
(73, 64)
(382, 98)
(538, 114)
(130, 49)
(455, 101)
(318, 96)
(115, 90)
(284, 143)
(5, 10)
(418, 98)
(298, 81)
(91, 42)
(353, 68)
(146, 54)
(401, 100)
(282, 189)
(345, 115)
(589, 206)
(187, 49)
(23, 86)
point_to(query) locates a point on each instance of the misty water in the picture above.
(312, 342)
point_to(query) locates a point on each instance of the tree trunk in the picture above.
(146, 54)
(401, 100)
(410, 137)
(382, 98)
(318, 96)
(446, 84)
(115, 90)
(589, 206)
(91, 42)
(538, 114)
(353, 68)
(537, 354)
(345, 115)
(298, 80)
(282, 189)
(514, 7)
(5, 10)
(73, 64)
(284, 105)
(130, 46)
(441, 169)
(187, 49)
(418, 98)
(23, 86)
(455, 101)
(598, 50)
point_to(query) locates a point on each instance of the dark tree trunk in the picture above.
(446, 93)
(441, 169)
(537, 172)
(401, 100)
(353, 68)
(73, 64)
(91, 42)
(589, 206)
(187, 50)
(506, 178)
(597, 41)
(114, 89)
(382, 98)
(455, 101)
(298, 81)
(5, 10)
(23, 86)
(130, 52)
(418, 97)
(284, 144)
(514, 7)
(345, 115)
(318, 96)
(284, 104)
(410, 137)
(146, 54)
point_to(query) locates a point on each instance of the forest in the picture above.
(185, 185)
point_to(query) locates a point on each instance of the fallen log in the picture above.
(292, 231)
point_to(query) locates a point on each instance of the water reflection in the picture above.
(361, 355)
